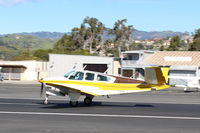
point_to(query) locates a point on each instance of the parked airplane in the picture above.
(89, 83)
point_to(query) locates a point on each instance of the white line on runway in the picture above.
(18, 104)
(102, 115)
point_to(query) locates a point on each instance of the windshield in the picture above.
(77, 76)
(67, 74)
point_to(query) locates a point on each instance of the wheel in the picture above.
(88, 101)
(73, 103)
(45, 102)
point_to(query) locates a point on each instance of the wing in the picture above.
(98, 89)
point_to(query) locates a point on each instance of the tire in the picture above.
(45, 102)
(73, 104)
(88, 101)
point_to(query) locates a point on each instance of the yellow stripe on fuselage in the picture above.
(109, 86)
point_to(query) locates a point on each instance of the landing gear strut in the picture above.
(74, 96)
(88, 101)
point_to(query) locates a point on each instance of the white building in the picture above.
(23, 70)
(132, 64)
(59, 64)
(183, 65)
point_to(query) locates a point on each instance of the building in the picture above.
(132, 63)
(181, 64)
(59, 64)
(23, 70)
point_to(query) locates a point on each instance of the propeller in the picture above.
(42, 90)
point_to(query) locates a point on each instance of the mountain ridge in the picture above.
(137, 34)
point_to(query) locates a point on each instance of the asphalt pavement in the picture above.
(168, 111)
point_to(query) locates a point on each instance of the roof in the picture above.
(137, 51)
(86, 56)
(176, 58)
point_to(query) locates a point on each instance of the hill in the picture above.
(143, 35)
(43, 34)
(11, 45)
(137, 34)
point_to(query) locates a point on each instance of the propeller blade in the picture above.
(42, 90)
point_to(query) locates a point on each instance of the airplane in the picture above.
(91, 84)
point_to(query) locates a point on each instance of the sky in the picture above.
(63, 15)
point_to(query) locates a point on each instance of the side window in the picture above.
(77, 76)
(89, 76)
(102, 78)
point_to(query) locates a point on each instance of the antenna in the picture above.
(74, 67)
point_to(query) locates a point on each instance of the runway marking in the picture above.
(102, 115)
(18, 104)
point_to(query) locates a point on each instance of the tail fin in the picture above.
(156, 75)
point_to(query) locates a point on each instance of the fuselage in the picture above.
(94, 83)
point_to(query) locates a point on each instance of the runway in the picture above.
(21, 114)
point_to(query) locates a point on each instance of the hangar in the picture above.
(59, 64)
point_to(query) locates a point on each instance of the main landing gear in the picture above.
(73, 103)
(73, 96)
(88, 100)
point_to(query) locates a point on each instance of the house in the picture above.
(23, 70)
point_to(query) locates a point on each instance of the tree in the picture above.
(197, 34)
(174, 43)
(122, 34)
(24, 56)
(195, 45)
(42, 54)
(66, 43)
(89, 35)
(161, 48)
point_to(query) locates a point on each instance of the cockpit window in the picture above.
(77, 76)
(89, 76)
(102, 78)
(67, 74)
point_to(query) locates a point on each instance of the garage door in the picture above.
(182, 74)
(96, 67)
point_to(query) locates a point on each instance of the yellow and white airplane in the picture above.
(89, 83)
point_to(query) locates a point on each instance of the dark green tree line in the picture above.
(195, 45)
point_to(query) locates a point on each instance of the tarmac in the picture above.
(167, 111)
